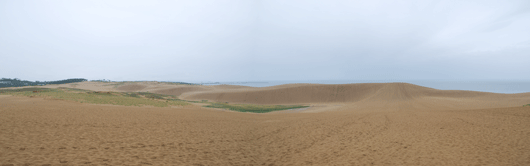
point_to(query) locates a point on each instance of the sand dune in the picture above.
(350, 93)
(353, 124)
(322, 95)
(37, 131)
(131, 88)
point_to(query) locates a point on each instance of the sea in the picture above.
(495, 86)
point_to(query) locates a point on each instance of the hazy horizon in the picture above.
(495, 86)
(239, 40)
(299, 81)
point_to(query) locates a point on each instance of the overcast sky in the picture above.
(244, 40)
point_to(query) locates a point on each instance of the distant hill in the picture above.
(7, 82)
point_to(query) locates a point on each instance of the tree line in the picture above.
(15, 82)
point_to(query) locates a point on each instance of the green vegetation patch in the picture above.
(254, 108)
(202, 101)
(136, 99)
(132, 94)
(7, 82)
(176, 99)
(22, 90)
(115, 98)
(73, 89)
(148, 95)
(526, 105)
(153, 95)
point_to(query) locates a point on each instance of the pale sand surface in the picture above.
(355, 124)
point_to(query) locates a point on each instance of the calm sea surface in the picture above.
(484, 86)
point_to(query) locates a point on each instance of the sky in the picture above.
(264, 40)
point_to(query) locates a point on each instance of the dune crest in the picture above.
(319, 93)
(368, 94)
(395, 95)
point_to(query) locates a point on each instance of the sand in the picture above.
(355, 124)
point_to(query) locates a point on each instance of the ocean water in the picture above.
(496, 86)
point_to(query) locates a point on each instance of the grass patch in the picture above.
(148, 95)
(175, 99)
(528, 105)
(22, 90)
(84, 96)
(133, 94)
(137, 99)
(73, 89)
(254, 108)
(202, 101)
(153, 95)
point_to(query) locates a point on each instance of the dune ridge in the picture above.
(321, 94)
(345, 93)
(325, 95)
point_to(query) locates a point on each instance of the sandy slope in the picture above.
(317, 93)
(355, 124)
(372, 93)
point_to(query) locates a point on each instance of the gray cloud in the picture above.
(264, 40)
